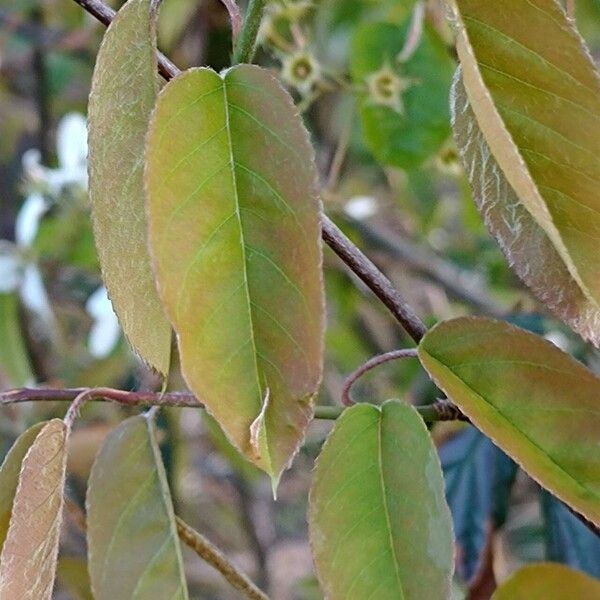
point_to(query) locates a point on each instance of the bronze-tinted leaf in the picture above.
(235, 236)
(536, 98)
(525, 244)
(534, 401)
(133, 548)
(9, 476)
(379, 523)
(124, 89)
(28, 559)
(548, 581)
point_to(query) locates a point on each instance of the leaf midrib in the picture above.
(246, 285)
(521, 433)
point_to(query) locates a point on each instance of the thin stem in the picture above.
(246, 42)
(373, 278)
(208, 552)
(76, 405)
(372, 364)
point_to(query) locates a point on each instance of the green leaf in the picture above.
(536, 97)
(406, 130)
(548, 581)
(533, 400)
(379, 524)
(525, 244)
(124, 89)
(72, 572)
(15, 367)
(9, 476)
(133, 548)
(235, 235)
(28, 559)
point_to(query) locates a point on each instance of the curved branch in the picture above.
(368, 366)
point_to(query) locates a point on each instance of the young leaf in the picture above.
(234, 232)
(28, 559)
(525, 244)
(9, 476)
(536, 97)
(124, 88)
(548, 581)
(379, 524)
(533, 400)
(133, 548)
(404, 109)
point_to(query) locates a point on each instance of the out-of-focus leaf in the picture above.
(133, 548)
(9, 476)
(536, 98)
(568, 540)
(379, 524)
(234, 232)
(478, 477)
(28, 559)
(548, 581)
(528, 249)
(72, 572)
(402, 127)
(124, 89)
(15, 368)
(534, 401)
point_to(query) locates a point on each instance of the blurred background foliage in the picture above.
(371, 78)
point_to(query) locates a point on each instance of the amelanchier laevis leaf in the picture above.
(124, 88)
(15, 369)
(235, 236)
(536, 98)
(528, 249)
(28, 559)
(404, 107)
(533, 400)
(379, 524)
(133, 548)
(9, 476)
(548, 581)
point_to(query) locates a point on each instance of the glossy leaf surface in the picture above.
(567, 539)
(124, 89)
(536, 97)
(478, 478)
(533, 400)
(379, 523)
(9, 476)
(407, 129)
(548, 581)
(133, 548)
(235, 236)
(28, 559)
(528, 249)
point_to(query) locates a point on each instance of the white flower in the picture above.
(105, 331)
(28, 219)
(361, 207)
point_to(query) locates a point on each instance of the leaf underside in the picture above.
(124, 88)
(528, 249)
(536, 97)
(235, 237)
(133, 548)
(28, 559)
(533, 400)
(379, 524)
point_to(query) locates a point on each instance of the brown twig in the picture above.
(208, 552)
(372, 364)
